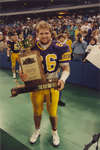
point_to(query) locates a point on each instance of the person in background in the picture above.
(68, 41)
(13, 49)
(3, 44)
(78, 30)
(78, 48)
(92, 46)
(62, 39)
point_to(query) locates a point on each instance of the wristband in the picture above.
(65, 74)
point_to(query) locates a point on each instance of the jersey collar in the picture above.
(43, 47)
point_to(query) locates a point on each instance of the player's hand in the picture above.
(23, 76)
(60, 85)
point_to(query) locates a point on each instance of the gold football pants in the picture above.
(14, 59)
(51, 96)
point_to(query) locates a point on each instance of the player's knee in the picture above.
(52, 113)
(38, 109)
(37, 112)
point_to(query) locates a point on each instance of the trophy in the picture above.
(31, 66)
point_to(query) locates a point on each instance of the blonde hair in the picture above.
(43, 25)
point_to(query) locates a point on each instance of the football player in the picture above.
(14, 49)
(53, 55)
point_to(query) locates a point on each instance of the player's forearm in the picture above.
(65, 73)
